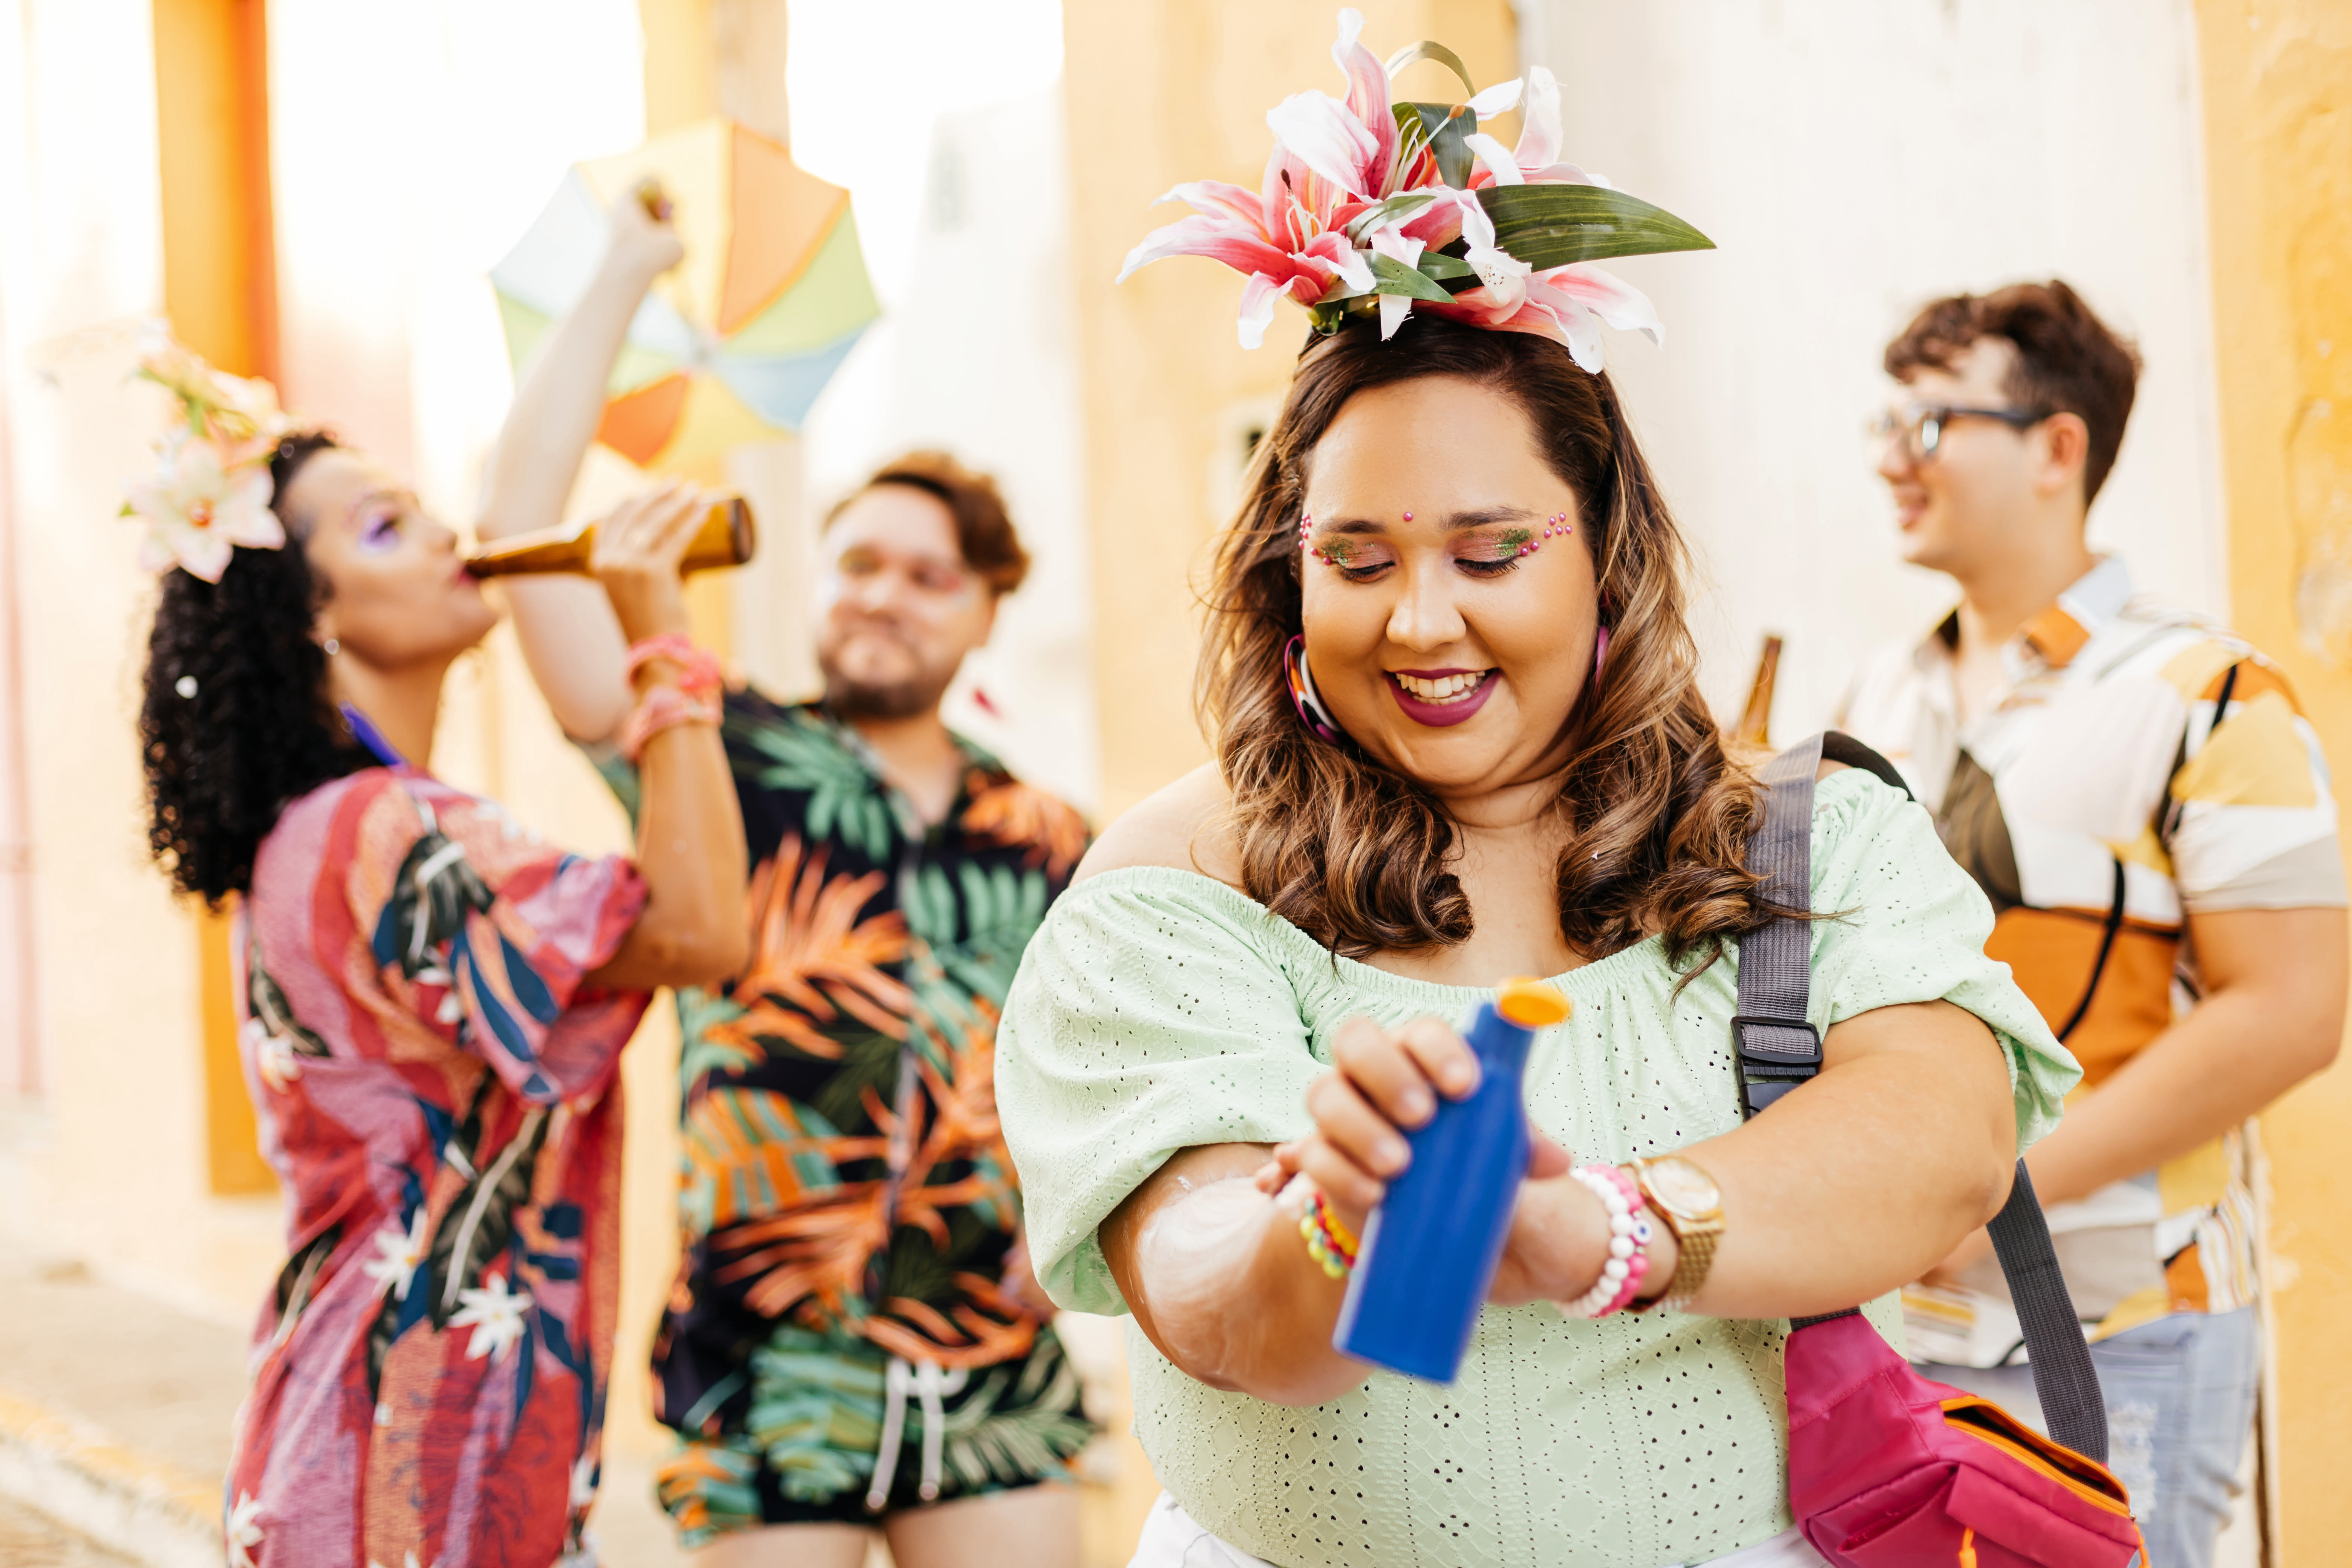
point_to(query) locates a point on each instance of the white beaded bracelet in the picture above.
(1629, 1234)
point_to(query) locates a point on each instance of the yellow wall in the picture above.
(1162, 92)
(220, 292)
(2277, 81)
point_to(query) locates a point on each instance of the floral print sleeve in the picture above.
(437, 1089)
(478, 930)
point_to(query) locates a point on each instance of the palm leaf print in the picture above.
(299, 1278)
(703, 1020)
(1011, 813)
(266, 1003)
(819, 1251)
(1033, 1429)
(813, 960)
(435, 891)
(817, 1409)
(706, 1480)
(845, 799)
(750, 1152)
(479, 1221)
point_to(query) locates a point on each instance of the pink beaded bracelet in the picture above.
(697, 672)
(664, 708)
(1629, 1234)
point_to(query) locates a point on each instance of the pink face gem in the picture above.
(1408, 517)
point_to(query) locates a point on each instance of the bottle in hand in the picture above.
(727, 538)
(1431, 1249)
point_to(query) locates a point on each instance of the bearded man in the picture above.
(855, 1341)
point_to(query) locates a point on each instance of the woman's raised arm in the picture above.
(689, 830)
(575, 647)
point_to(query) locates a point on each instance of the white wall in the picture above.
(1853, 159)
(977, 353)
(110, 1161)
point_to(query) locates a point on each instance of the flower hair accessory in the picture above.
(1372, 206)
(211, 491)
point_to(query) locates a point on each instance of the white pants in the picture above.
(1172, 1540)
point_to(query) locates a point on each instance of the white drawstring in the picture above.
(927, 1381)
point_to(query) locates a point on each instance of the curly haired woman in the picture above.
(1451, 687)
(435, 1000)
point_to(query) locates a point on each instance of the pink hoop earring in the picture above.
(1312, 715)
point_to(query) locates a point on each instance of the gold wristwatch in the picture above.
(1684, 1196)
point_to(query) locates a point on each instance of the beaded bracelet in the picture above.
(664, 708)
(1330, 1243)
(1629, 1233)
(697, 672)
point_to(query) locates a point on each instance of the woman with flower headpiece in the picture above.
(435, 1000)
(1451, 687)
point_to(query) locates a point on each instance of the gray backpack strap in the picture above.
(1779, 1049)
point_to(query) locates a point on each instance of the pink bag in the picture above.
(1887, 1469)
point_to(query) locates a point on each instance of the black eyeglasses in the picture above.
(1920, 427)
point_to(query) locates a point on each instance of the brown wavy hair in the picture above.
(1357, 855)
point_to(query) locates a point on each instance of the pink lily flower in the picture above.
(1536, 160)
(1567, 304)
(1286, 237)
(1351, 143)
(1345, 186)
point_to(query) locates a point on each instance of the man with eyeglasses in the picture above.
(2149, 812)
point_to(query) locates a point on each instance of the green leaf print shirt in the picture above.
(843, 1173)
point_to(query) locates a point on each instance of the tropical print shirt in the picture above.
(2138, 764)
(436, 1091)
(843, 1173)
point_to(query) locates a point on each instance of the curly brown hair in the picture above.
(235, 721)
(1357, 855)
(2068, 361)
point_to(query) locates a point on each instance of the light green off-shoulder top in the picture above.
(1157, 1010)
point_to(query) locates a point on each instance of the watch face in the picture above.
(1681, 1187)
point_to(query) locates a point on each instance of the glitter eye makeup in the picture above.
(1511, 545)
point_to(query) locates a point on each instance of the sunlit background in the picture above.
(321, 188)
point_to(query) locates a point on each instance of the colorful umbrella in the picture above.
(735, 342)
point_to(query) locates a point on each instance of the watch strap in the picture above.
(1695, 1244)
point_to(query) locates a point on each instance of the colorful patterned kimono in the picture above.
(436, 1091)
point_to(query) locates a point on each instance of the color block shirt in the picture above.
(842, 1172)
(2138, 764)
(1159, 1010)
(437, 1089)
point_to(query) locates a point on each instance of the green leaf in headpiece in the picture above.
(1431, 50)
(1550, 226)
(1443, 128)
(1395, 277)
(1398, 208)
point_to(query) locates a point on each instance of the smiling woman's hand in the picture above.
(1384, 1084)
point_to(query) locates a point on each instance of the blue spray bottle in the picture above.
(1430, 1249)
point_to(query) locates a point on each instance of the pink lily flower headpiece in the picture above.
(1374, 207)
(212, 488)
